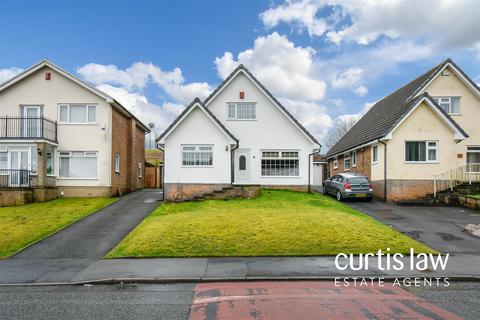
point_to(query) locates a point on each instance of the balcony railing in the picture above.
(14, 128)
(14, 178)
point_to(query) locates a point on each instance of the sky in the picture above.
(325, 60)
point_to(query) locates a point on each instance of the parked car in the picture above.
(348, 185)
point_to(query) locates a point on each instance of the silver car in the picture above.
(348, 185)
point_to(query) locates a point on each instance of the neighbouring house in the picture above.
(240, 135)
(422, 138)
(60, 136)
(153, 168)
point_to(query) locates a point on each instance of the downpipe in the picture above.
(384, 170)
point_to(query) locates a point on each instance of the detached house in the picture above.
(60, 136)
(422, 138)
(240, 135)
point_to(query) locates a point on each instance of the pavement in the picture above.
(237, 300)
(60, 257)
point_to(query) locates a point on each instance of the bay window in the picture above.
(277, 163)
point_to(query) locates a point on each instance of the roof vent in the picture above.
(445, 73)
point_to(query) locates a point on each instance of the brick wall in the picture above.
(363, 166)
(128, 140)
(186, 191)
(403, 190)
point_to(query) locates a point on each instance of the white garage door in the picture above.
(317, 174)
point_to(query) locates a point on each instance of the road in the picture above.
(217, 300)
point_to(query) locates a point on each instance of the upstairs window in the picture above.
(77, 113)
(197, 155)
(421, 151)
(450, 105)
(241, 111)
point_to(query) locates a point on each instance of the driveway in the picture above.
(439, 227)
(59, 257)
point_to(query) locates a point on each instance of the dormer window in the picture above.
(241, 111)
(451, 105)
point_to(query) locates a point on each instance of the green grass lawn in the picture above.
(278, 223)
(476, 196)
(23, 225)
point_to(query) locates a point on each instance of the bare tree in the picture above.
(341, 128)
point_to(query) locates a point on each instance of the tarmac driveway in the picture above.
(439, 227)
(59, 257)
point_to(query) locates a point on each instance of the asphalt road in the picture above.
(174, 301)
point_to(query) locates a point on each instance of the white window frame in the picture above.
(53, 174)
(448, 99)
(375, 154)
(335, 163)
(346, 157)
(87, 154)
(427, 148)
(117, 163)
(197, 150)
(87, 107)
(353, 158)
(279, 154)
(235, 105)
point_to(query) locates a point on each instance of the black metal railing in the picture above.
(28, 128)
(14, 178)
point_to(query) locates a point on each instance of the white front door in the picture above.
(19, 175)
(242, 166)
(32, 121)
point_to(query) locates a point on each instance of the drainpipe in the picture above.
(232, 162)
(163, 175)
(316, 151)
(384, 170)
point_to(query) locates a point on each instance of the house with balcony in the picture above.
(421, 139)
(60, 136)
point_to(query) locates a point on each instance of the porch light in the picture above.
(39, 151)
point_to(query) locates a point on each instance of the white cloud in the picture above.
(446, 24)
(349, 78)
(287, 70)
(139, 105)
(6, 74)
(355, 116)
(360, 91)
(140, 74)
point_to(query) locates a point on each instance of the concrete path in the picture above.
(439, 227)
(61, 256)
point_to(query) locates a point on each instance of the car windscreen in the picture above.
(358, 180)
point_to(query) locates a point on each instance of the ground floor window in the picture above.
(78, 164)
(50, 160)
(117, 163)
(197, 155)
(473, 159)
(280, 163)
(3, 160)
(335, 163)
(354, 158)
(375, 154)
(421, 151)
(346, 161)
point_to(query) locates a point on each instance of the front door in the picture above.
(242, 166)
(32, 125)
(19, 168)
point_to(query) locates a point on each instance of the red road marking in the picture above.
(308, 300)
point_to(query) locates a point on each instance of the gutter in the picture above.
(384, 170)
(232, 169)
(316, 151)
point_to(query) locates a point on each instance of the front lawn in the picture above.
(23, 225)
(278, 223)
(476, 196)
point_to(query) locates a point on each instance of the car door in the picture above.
(330, 184)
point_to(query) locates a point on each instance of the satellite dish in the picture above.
(151, 125)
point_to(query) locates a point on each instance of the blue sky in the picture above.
(325, 60)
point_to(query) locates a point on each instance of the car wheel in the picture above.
(324, 189)
(339, 195)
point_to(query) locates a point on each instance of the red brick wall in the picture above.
(128, 140)
(363, 166)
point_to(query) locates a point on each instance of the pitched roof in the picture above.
(51, 65)
(262, 87)
(386, 113)
(181, 116)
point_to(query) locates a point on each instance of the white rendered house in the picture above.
(240, 135)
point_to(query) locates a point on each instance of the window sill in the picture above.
(376, 162)
(117, 172)
(197, 166)
(241, 119)
(280, 177)
(51, 175)
(78, 124)
(454, 114)
(421, 162)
